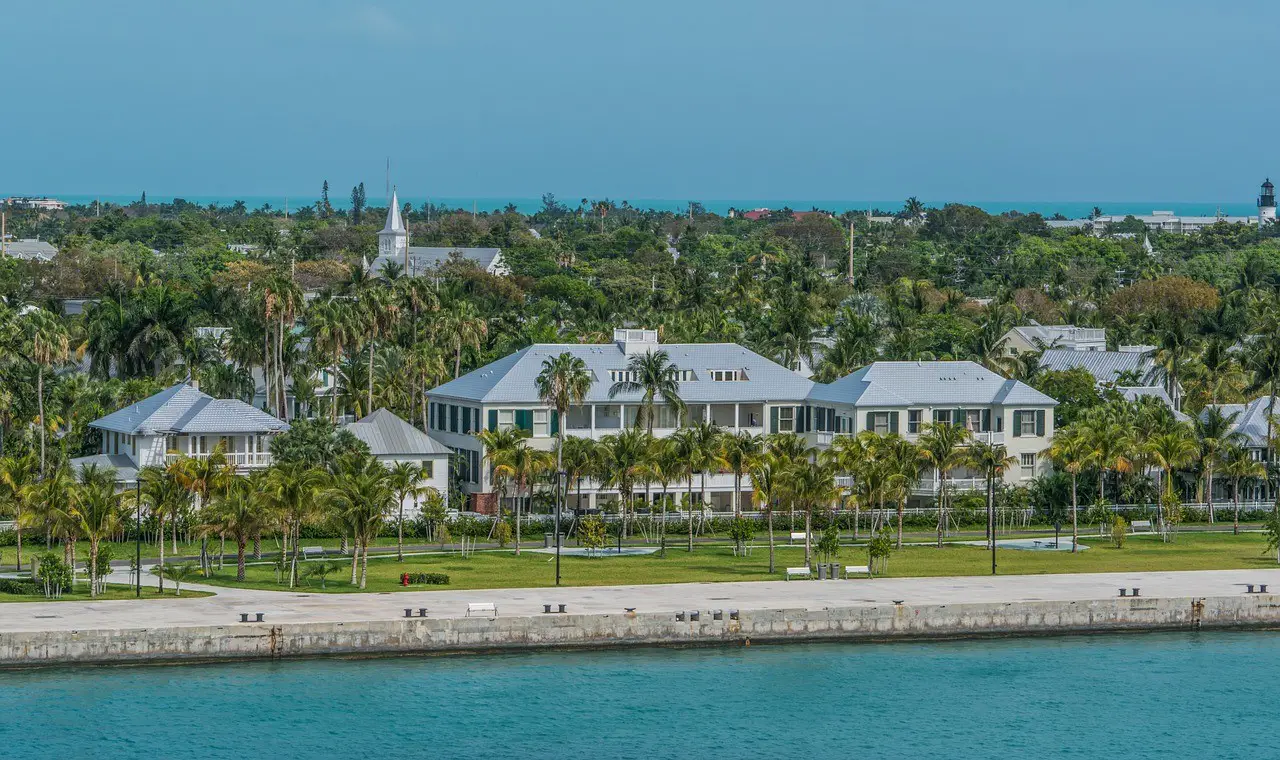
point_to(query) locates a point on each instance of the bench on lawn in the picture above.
(1144, 524)
(852, 570)
(797, 536)
(312, 552)
(482, 608)
(799, 572)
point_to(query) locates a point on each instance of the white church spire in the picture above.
(394, 238)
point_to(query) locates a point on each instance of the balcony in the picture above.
(241, 460)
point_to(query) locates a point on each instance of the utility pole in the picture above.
(851, 251)
(4, 238)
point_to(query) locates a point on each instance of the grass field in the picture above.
(502, 569)
(114, 592)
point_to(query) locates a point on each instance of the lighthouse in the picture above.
(1267, 204)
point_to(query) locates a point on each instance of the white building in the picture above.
(391, 440)
(737, 390)
(182, 421)
(1037, 337)
(43, 204)
(415, 261)
(29, 249)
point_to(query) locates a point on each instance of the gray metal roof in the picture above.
(388, 435)
(1105, 366)
(422, 259)
(1060, 335)
(32, 250)
(934, 383)
(125, 470)
(511, 379)
(1251, 419)
(1133, 393)
(183, 409)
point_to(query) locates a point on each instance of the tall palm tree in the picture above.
(563, 382)
(622, 463)
(165, 498)
(698, 445)
(461, 326)
(1072, 451)
(1238, 464)
(768, 476)
(814, 486)
(382, 313)
(852, 456)
(241, 511)
(942, 447)
(294, 490)
(579, 460)
(48, 345)
(364, 497)
(406, 481)
(993, 459)
(17, 474)
(1214, 432)
(652, 374)
(737, 450)
(97, 514)
(1170, 451)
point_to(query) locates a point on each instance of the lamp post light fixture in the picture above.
(562, 497)
(137, 536)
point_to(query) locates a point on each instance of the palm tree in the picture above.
(903, 459)
(1238, 463)
(1214, 431)
(382, 313)
(1170, 451)
(462, 326)
(563, 382)
(579, 459)
(666, 466)
(814, 485)
(941, 447)
(48, 346)
(97, 514)
(737, 450)
(1072, 451)
(1112, 446)
(165, 498)
(364, 497)
(240, 512)
(768, 483)
(406, 478)
(176, 573)
(993, 459)
(697, 444)
(17, 474)
(294, 490)
(622, 462)
(851, 456)
(652, 374)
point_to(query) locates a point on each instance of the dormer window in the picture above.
(728, 375)
(621, 376)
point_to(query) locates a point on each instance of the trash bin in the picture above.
(822, 571)
(548, 540)
(835, 571)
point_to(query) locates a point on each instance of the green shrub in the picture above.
(429, 579)
(503, 534)
(1119, 531)
(18, 587)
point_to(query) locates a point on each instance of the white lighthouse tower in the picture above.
(1267, 204)
(394, 238)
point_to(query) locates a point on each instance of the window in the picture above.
(453, 418)
(942, 416)
(683, 375)
(506, 419)
(466, 420)
(621, 376)
(973, 419)
(1027, 424)
(786, 419)
(914, 418)
(879, 422)
(1029, 462)
(428, 469)
(541, 423)
(728, 375)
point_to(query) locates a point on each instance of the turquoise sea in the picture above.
(1208, 695)
(1071, 209)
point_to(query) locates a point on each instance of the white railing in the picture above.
(240, 459)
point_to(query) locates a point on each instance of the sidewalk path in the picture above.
(302, 606)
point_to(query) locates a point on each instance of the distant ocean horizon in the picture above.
(1069, 209)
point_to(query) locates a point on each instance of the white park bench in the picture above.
(312, 552)
(1144, 524)
(852, 570)
(482, 608)
(797, 536)
(799, 572)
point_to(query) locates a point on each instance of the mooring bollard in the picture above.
(680, 616)
(408, 612)
(244, 617)
(1135, 591)
(1262, 589)
(1123, 592)
(695, 616)
(733, 614)
(562, 608)
(546, 609)
(422, 612)
(1248, 588)
(717, 615)
(259, 620)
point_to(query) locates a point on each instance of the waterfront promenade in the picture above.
(303, 606)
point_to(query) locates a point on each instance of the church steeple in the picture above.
(394, 238)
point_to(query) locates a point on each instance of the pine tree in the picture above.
(325, 208)
(356, 205)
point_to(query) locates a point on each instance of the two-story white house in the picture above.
(182, 421)
(905, 397)
(1034, 337)
(392, 440)
(737, 389)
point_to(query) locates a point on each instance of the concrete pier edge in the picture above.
(454, 635)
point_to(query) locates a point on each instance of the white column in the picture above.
(737, 418)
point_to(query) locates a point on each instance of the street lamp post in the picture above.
(137, 536)
(562, 487)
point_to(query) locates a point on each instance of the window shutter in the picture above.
(1040, 422)
(808, 419)
(1017, 424)
(893, 422)
(831, 420)
(986, 420)
(493, 419)
(524, 419)
(555, 422)
(871, 421)
(999, 423)
(773, 419)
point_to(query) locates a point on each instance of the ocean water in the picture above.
(1137, 696)
(1072, 209)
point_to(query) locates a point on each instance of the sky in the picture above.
(667, 99)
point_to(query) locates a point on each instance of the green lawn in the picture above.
(113, 592)
(1202, 551)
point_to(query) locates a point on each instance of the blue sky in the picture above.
(861, 99)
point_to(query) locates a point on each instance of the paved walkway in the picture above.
(301, 607)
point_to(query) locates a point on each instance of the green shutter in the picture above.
(493, 419)
(986, 420)
(773, 419)
(555, 422)
(871, 421)
(893, 422)
(1040, 422)
(1017, 424)
(524, 419)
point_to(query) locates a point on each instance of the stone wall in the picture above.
(477, 634)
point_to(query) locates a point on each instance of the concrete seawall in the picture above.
(476, 634)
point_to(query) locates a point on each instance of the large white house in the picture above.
(1037, 337)
(182, 421)
(736, 389)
